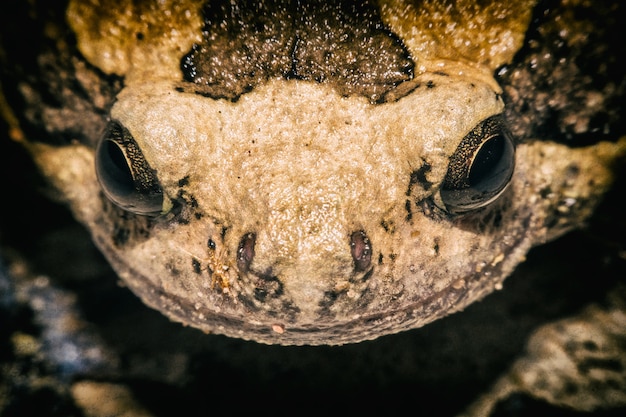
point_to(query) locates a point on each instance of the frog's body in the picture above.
(296, 180)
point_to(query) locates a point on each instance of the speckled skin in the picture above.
(304, 161)
(558, 87)
(302, 157)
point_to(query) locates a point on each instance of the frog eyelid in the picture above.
(481, 167)
(125, 176)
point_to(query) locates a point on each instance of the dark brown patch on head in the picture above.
(57, 96)
(343, 44)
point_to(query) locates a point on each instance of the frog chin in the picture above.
(301, 312)
(310, 328)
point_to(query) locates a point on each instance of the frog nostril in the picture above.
(361, 250)
(245, 251)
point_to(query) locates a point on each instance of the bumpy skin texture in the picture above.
(330, 126)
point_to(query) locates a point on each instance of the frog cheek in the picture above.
(480, 169)
(125, 176)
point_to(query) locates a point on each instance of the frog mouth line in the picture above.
(365, 327)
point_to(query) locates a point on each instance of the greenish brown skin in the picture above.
(273, 177)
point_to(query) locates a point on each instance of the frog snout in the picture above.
(359, 245)
(308, 249)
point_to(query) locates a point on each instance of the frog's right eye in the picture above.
(124, 174)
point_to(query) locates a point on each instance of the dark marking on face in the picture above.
(388, 226)
(343, 44)
(496, 219)
(572, 171)
(487, 219)
(362, 278)
(183, 182)
(339, 301)
(545, 192)
(329, 299)
(195, 264)
(268, 287)
(268, 294)
(192, 201)
(120, 236)
(429, 209)
(607, 364)
(418, 176)
(426, 206)
(409, 210)
(172, 268)
(430, 84)
(186, 206)
(289, 311)
(590, 346)
(127, 227)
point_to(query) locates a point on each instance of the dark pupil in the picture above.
(487, 159)
(117, 167)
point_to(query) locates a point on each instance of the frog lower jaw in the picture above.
(225, 314)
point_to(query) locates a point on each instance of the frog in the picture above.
(300, 174)
(316, 174)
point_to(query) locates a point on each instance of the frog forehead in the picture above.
(289, 127)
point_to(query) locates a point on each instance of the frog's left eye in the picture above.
(124, 174)
(481, 167)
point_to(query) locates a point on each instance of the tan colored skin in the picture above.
(303, 168)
